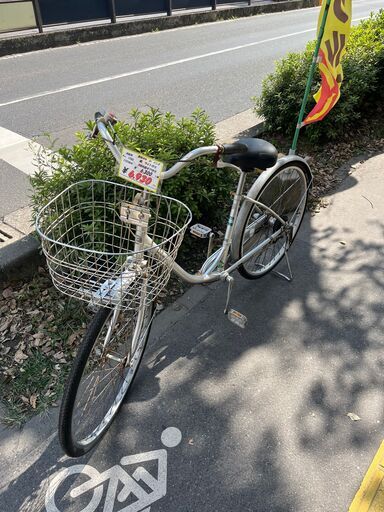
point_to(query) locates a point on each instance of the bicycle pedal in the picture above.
(237, 318)
(200, 231)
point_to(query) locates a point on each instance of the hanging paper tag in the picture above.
(140, 170)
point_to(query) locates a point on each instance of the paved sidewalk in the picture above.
(262, 411)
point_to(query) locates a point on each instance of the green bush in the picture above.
(361, 90)
(160, 135)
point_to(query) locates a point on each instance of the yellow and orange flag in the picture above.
(332, 49)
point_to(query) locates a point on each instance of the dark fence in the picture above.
(53, 12)
(127, 7)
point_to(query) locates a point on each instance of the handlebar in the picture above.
(103, 120)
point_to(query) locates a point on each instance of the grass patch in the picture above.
(36, 387)
(39, 332)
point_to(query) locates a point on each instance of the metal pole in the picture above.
(249, 2)
(113, 10)
(39, 21)
(292, 151)
(169, 7)
(214, 5)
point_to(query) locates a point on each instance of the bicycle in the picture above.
(114, 246)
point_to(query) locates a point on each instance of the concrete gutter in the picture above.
(69, 36)
(20, 251)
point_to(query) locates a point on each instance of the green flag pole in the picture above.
(292, 151)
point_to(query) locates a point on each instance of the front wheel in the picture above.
(286, 193)
(102, 373)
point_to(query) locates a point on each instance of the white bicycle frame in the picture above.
(213, 268)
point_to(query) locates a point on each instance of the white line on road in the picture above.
(15, 150)
(153, 68)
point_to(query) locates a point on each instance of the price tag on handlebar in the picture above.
(140, 170)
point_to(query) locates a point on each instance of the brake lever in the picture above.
(106, 118)
(110, 118)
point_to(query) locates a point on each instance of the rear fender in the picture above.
(254, 191)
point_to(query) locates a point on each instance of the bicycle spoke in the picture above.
(91, 396)
(285, 194)
(107, 375)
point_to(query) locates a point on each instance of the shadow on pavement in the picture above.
(263, 411)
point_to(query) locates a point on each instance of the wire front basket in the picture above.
(98, 255)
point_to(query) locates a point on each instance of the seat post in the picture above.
(233, 214)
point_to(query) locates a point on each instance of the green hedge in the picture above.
(361, 90)
(160, 135)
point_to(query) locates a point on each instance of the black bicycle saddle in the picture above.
(259, 154)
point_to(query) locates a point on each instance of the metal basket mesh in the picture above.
(91, 253)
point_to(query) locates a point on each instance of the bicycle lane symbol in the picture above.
(118, 476)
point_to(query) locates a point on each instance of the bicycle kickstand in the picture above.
(288, 277)
(234, 316)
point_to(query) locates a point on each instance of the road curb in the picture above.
(21, 258)
(34, 42)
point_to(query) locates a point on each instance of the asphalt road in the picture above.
(217, 66)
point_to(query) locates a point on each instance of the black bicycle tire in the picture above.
(68, 444)
(242, 270)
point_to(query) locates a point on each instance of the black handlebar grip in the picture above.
(99, 115)
(231, 149)
(105, 118)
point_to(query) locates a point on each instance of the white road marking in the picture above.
(120, 482)
(9, 138)
(171, 437)
(18, 151)
(153, 68)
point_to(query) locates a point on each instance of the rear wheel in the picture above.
(286, 193)
(102, 373)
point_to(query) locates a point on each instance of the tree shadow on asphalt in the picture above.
(263, 411)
